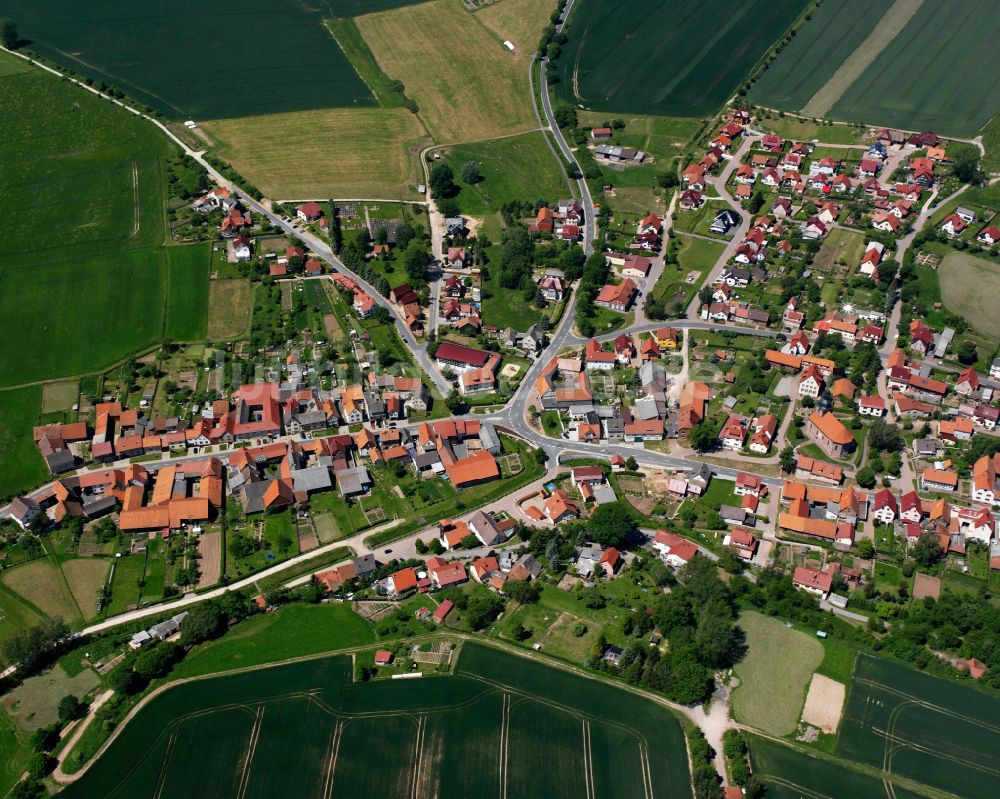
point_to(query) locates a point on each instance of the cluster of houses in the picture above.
(258, 411)
(564, 221)
(564, 385)
(958, 221)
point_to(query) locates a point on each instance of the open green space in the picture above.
(820, 46)
(694, 255)
(938, 73)
(659, 137)
(686, 62)
(99, 286)
(969, 286)
(187, 306)
(42, 585)
(775, 674)
(290, 632)
(789, 773)
(282, 58)
(513, 168)
(21, 465)
(35, 702)
(502, 723)
(923, 728)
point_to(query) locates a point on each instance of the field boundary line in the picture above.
(135, 199)
(647, 774)
(162, 778)
(251, 748)
(915, 700)
(331, 761)
(806, 792)
(504, 740)
(418, 755)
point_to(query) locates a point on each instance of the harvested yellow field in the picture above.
(325, 153)
(467, 85)
(520, 22)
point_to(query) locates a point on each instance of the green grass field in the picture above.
(85, 576)
(42, 585)
(291, 62)
(923, 728)
(774, 675)
(21, 465)
(95, 289)
(968, 286)
(822, 44)
(293, 631)
(515, 168)
(503, 722)
(659, 137)
(683, 60)
(792, 774)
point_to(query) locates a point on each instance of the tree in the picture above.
(453, 401)
(702, 437)
(29, 789)
(469, 172)
(885, 437)
(631, 464)
(204, 621)
(157, 660)
(8, 33)
(125, 681)
(523, 592)
(442, 181)
(565, 116)
(40, 764)
(241, 546)
(611, 525)
(927, 551)
(866, 477)
(415, 261)
(866, 548)
(787, 460)
(70, 708)
(483, 607)
(967, 353)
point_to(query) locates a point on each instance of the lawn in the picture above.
(968, 286)
(807, 130)
(659, 137)
(775, 674)
(292, 631)
(14, 753)
(467, 85)
(503, 307)
(943, 734)
(514, 168)
(125, 586)
(21, 465)
(42, 585)
(35, 702)
(295, 64)
(85, 576)
(15, 614)
(187, 298)
(228, 308)
(325, 153)
(694, 255)
(613, 49)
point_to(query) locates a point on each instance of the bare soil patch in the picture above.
(824, 703)
(210, 566)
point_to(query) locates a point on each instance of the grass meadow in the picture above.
(21, 465)
(338, 152)
(467, 85)
(969, 286)
(514, 168)
(922, 728)
(686, 64)
(502, 722)
(277, 54)
(774, 675)
(42, 585)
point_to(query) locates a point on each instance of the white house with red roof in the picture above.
(884, 506)
(673, 549)
(911, 507)
(747, 483)
(309, 212)
(813, 581)
(872, 405)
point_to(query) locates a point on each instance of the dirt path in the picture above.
(58, 774)
(858, 62)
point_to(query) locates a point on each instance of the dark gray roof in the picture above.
(365, 564)
(315, 478)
